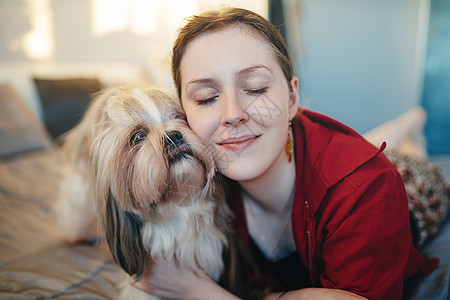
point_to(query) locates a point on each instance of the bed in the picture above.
(35, 260)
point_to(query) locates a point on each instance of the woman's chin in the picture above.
(242, 171)
(253, 166)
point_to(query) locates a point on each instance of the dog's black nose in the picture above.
(174, 139)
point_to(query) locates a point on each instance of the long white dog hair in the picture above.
(153, 184)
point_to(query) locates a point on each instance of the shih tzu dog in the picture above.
(153, 184)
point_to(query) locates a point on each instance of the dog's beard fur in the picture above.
(153, 184)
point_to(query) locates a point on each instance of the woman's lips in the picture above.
(238, 144)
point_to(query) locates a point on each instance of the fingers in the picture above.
(167, 280)
(151, 286)
(144, 281)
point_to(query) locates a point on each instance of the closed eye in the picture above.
(256, 92)
(207, 101)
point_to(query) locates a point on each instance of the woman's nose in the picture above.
(234, 112)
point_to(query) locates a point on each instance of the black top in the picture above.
(287, 273)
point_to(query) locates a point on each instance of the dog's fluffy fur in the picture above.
(153, 184)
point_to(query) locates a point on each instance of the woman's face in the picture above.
(236, 97)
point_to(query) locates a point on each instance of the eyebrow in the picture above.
(200, 81)
(252, 69)
(242, 72)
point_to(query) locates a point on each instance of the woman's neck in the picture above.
(274, 189)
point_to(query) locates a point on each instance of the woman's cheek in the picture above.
(266, 111)
(201, 125)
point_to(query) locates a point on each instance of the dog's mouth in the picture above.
(188, 174)
(178, 153)
(176, 148)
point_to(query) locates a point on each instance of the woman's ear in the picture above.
(294, 97)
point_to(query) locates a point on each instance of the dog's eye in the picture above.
(137, 136)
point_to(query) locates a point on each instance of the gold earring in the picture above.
(289, 148)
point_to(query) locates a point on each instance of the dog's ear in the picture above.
(123, 234)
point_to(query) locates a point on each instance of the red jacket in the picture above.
(350, 215)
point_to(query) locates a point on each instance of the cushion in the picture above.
(428, 195)
(20, 130)
(64, 101)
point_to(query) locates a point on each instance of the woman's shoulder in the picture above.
(313, 123)
(334, 158)
(331, 149)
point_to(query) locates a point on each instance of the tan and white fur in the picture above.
(152, 182)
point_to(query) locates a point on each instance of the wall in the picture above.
(436, 91)
(139, 32)
(362, 60)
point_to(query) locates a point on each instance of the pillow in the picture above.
(20, 130)
(428, 195)
(64, 101)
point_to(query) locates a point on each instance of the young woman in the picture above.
(323, 211)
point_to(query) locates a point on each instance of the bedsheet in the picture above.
(37, 263)
(35, 260)
(435, 286)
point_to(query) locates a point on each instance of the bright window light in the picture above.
(143, 15)
(109, 16)
(38, 42)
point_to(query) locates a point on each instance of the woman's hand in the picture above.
(315, 293)
(177, 282)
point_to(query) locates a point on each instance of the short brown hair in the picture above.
(215, 20)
